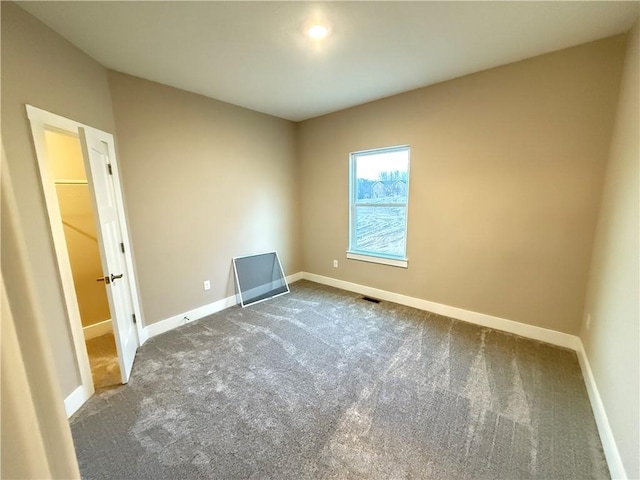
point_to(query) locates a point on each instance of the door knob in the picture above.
(114, 277)
(109, 280)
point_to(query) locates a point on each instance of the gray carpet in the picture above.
(322, 384)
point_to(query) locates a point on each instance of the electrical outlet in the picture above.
(335, 264)
(207, 285)
(588, 322)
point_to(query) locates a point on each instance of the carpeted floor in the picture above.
(323, 384)
(103, 358)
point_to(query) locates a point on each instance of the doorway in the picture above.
(79, 225)
(83, 197)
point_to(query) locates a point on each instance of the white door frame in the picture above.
(41, 120)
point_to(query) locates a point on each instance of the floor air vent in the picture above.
(371, 299)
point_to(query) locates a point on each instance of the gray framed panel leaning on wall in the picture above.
(259, 277)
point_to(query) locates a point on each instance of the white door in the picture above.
(96, 154)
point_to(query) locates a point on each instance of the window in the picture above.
(379, 195)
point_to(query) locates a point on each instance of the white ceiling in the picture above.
(254, 54)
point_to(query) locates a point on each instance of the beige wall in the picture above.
(34, 430)
(506, 173)
(76, 209)
(611, 339)
(39, 67)
(23, 453)
(205, 181)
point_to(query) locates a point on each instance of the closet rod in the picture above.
(70, 182)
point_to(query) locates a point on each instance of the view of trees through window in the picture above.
(380, 185)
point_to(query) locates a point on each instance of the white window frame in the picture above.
(368, 256)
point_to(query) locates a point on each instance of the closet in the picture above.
(76, 209)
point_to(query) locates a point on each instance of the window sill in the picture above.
(381, 260)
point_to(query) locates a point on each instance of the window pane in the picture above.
(380, 230)
(382, 177)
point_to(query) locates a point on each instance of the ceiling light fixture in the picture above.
(318, 32)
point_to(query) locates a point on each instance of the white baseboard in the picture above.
(76, 399)
(197, 313)
(616, 467)
(97, 329)
(530, 331)
(181, 319)
(295, 277)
